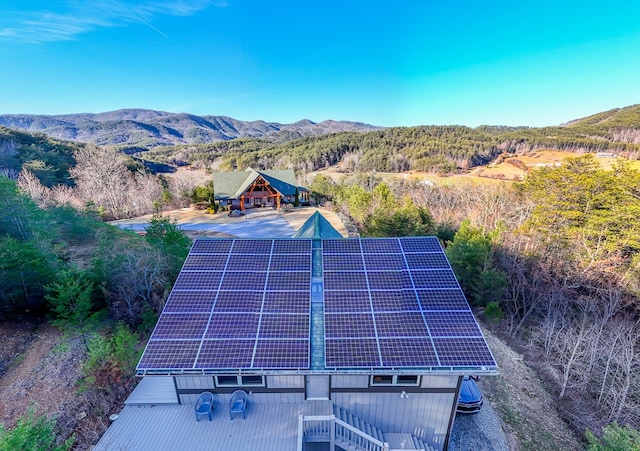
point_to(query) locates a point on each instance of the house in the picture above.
(251, 188)
(342, 343)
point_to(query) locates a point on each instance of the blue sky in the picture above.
(385, 63)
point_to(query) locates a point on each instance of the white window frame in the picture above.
(394, 381)
(240, 382)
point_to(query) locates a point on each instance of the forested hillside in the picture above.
(553, 263)
(103, 288)
(442, 149)
(47, 158)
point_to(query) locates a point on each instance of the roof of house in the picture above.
(317, 226)
(230, 185)
(366, 306)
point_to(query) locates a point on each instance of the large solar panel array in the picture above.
(395, 303)
(389, 303)
(237, 304)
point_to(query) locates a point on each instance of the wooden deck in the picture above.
(174, 427)
(154, 390)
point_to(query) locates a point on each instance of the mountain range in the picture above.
(150, 128)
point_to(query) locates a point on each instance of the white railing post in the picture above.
(332, 433)
(300, 432)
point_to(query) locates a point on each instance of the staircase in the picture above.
(396, 441)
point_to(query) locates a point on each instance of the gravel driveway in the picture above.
(478, 432)
(258, 223)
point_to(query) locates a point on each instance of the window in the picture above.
(240, 381)
(397, 379)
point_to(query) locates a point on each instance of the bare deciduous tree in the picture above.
(31, 186)
(139, 279)
(103, 181)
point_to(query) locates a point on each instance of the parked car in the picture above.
(236, 213)
(470, 398)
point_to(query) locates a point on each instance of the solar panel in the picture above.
(244, 262)
(245, 304)
(346, 301)
(211, 246)
(400, 324)
(233, 325)
(252, 247)
(421, 244)
(181, 325)
(351, 353)
(455, 324)
(169, 354)
(446, 299)
(190, 302)
(394, 300)
(297, 246)
(349, 325)
(281, 354)
(406, 280)
(348, 262)
(198, 280)
(341, 247)
(389, 280)
(427, 261)
(463, 352)
(244, 281)
(298, 281)
(407, 352)
(384, 262)
(381, 246)
(284, 326)
(434, 279)
(225, 354)
(286, 302)
(205, 262)
(345, 281)
(241, 301)
(290, 262)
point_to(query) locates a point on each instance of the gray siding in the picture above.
(439, 382)
(350, 381)
(285, 381)
(255, 398)
(195, 382)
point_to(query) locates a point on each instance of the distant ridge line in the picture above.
(152, 128)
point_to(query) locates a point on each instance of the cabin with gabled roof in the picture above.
(342, 343)
(252, 188)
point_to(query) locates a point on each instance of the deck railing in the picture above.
(335, 431)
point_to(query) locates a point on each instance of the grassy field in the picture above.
(515, 168)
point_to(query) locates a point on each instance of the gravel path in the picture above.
(478, 432)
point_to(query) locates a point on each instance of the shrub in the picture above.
(32, 434)
(615, 438)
